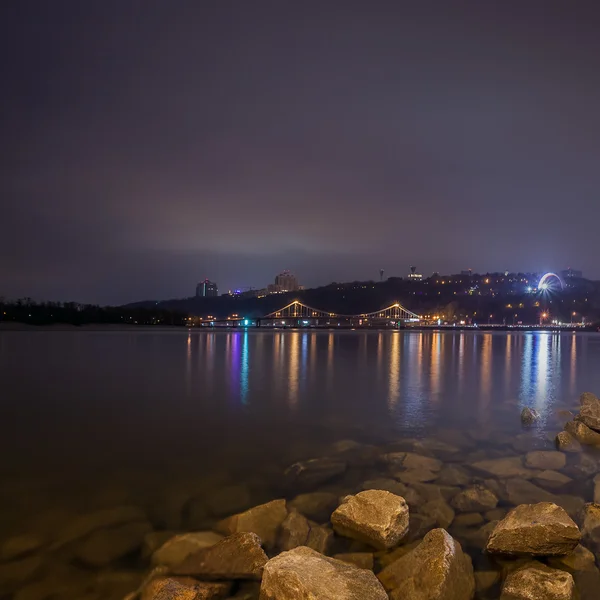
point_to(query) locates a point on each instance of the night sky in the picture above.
(149, 144)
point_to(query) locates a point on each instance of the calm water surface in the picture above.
(89, 419)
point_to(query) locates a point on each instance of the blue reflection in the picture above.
(244, 369)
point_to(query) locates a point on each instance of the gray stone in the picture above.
(529, 416)
(185, 588)
(440, 511)
(303, 574)
(437, 569)
(589, 413)
(542, 529)
(317, 506)
(538, 581)
(552, 479)
(375, 517)
(510, 466)
(567, 443)
(475, 499)
(179, 547)
(238, 556)
(582, 433)
(468, 520)
(545, 459)
(104, 546)
(311, 473)
(83, 525)
(264, 520)
(362, 560)
(20, 545)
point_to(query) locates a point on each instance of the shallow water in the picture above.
(96, 419)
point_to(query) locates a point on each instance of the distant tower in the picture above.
(412, 270)
(381, 274)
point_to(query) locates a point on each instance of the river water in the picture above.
(93, 419)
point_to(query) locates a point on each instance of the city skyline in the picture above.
(145, 146)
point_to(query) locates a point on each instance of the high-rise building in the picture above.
(284, 282)
(207, 289)
(570, 273)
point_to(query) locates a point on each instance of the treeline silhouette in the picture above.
(26, 310)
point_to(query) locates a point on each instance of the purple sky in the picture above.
(149, 144)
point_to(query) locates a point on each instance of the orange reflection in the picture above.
(294, 368)
(434, 365)
(573, 370)
(394, 370)
(486, 367)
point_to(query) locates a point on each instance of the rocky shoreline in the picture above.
(437, 518)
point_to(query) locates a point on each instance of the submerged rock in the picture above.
(582, 433)
(471, 519)
(175, 550)
(454, 475)
(529, 416)
(510, 466)
(545, 459)
(524, 492)
(567, 443)
(475, 499)
(264, 520)
(437, 569)
(20, 545)
(16, 573)
(294, 531)
(317, 506)
(552, 479)
(311, 473)
(597, 489)
(536, 581)
(238, 556)
(303, 574)
(228, 500)
(410, 476)
(440, 511)
(589, 413)
(590, 526)
(375, 517)
(542, 529)
(425, 463)
(580, 559)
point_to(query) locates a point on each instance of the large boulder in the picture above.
(582, 433)
(175, 550)
(545, 459)
(567, 443)
(264, 520)
(437, 569)
(537, 581)
(238, 556)
(317, 506)
(511, 466)
(303, 574)
(589, 413)
(376, 517)
(184, 588)
(104, 546)
(542, 529)
(309, 474)
(475, 499)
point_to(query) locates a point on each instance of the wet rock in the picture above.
(418, 526)
(440, 511)
(551, 479)
(362, 560)
(294, 531)
(567, 443)
(394, 459)
(184, 588)
(542, 529)
(153, 540)
(238, 556)
(525, 492)
(320, 538)
(586, 465)
(375, 517)
(432, 491)
(538, 581)
(389, 485)
(15, 573)
(529, 416)
(104, 546)
(228, 500)
(589, 413)
(303, 573)
(495, 515)
(179, 547)
(475, 499)
(83, 525)
(317, 506)
(387, 557)
(418, 462)
(264, 520)
(437, 569)
(545, 459)
(454, 476)
(311, 473)
(475, 537)
(411, 476)
(582, 433)
(572, 504)
(484, 580)
(510, 466)
(580, 559)
(20, 545)
(590, 526)
(471, 519)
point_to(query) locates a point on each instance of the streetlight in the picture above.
(572, 315)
